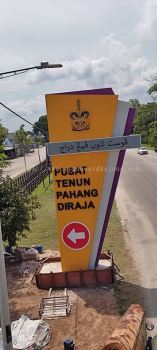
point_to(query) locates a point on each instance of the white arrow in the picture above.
(73, 235)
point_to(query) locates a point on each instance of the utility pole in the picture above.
(4, 305)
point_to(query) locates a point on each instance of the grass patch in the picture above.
(44, 229)
(127, 291)
(115, 241)
(148, 147)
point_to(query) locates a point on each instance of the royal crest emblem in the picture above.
(79, 119)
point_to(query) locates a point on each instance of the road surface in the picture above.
(17, 166)
(137, 202)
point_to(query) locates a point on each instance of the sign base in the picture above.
(51, 275)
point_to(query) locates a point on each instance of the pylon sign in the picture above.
(88, 134)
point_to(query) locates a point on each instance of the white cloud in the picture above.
(29, 109)
(69, 33)
(147, 26)
(124, 68)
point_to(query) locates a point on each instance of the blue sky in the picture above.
(100, 44)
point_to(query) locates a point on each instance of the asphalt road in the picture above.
(17, 166)
(137, 202)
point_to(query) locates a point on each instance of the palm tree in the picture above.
(152, 89)
(22, 141)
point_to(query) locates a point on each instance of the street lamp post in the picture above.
(4, 307)
(43, 65)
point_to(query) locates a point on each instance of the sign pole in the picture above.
(4, 307)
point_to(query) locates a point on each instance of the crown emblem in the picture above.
(79, 119)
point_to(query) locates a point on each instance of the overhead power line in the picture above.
(19, 116)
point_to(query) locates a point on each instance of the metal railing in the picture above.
(33, 177)
(36, 181)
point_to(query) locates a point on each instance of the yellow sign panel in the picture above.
(78, 178)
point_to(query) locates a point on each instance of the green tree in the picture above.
(152, 89)
(146, 114)
(17, 210)
(21, 139)
(153, 133)
(39, 140)
(3, 157)
(135, 103)
(41, 126)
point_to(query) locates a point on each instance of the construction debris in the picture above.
(23, 253)
(55, 305)
(30, 334)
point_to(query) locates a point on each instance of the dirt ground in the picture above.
(94, 312)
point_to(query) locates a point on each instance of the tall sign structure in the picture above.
(88, 133)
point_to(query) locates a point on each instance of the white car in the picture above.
(142, 150)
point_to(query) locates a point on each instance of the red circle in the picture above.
(75, 235)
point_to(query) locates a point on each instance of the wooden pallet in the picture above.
(55, 305)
